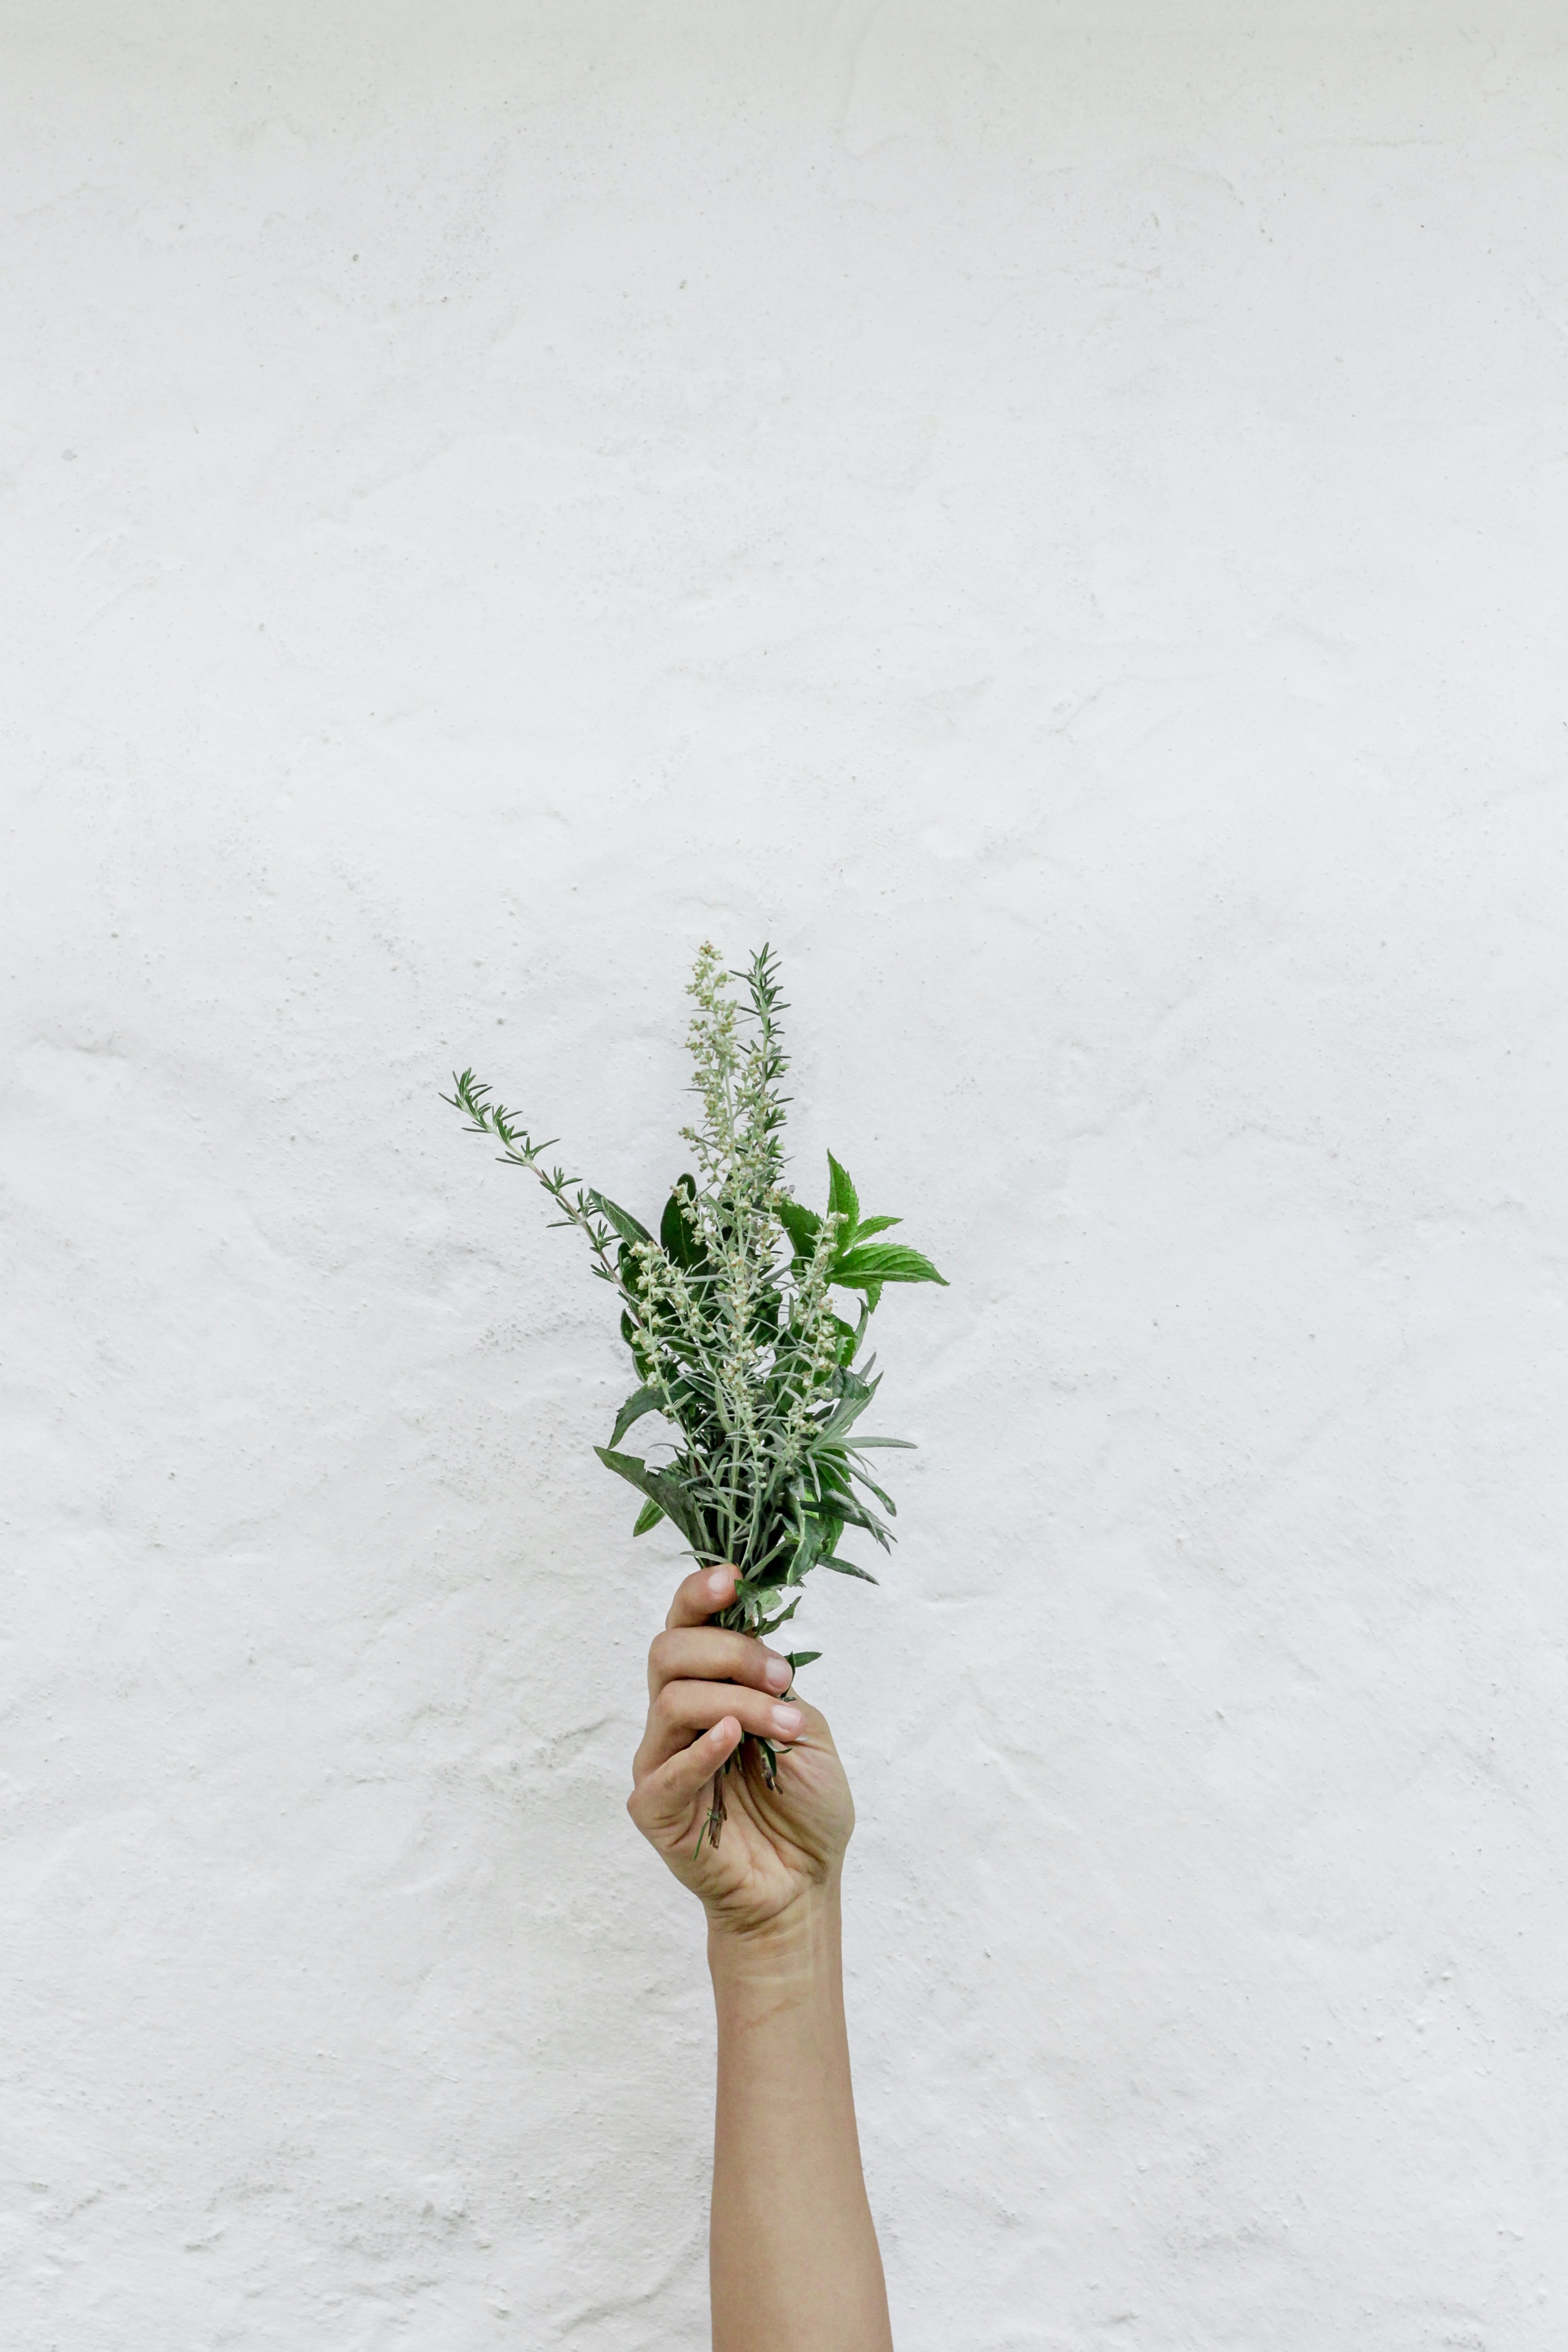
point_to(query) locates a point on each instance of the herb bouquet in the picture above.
(729, 1315)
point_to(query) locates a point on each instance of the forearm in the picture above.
(796, 2266)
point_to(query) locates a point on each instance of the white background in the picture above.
(1057, 520)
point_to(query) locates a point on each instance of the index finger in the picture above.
(701, 1594)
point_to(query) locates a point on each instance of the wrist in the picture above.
(798, 1946)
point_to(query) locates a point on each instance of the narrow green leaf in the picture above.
(872, 1487)
(854, 1397)
(839, 1504)
(649, 1516)
(799, 1658)
(624, 1224)
(660, 1487)
(848, 1567)
(842, 1198)
(855, 1514)
(869, 1226)
(641, 1401)
(805, 1552)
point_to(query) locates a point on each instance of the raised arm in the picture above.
(793, 2253)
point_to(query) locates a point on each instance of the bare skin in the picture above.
(794, 2255)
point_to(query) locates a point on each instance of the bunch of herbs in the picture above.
(731, 1313)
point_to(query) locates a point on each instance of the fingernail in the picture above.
(787, 1721)
(719, 1582)
(778, 1673)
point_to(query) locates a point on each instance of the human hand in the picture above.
(777, 1847)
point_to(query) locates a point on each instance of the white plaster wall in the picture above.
(1058, 518)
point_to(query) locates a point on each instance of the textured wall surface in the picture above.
(1058, 519)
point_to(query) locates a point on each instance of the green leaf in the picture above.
(838, 1505)
(842, 1198)
(832, 1528)
(869, 1226)
(848, 1567)
(853, 1399)
(805, 1552)
(624, 1222)
(871, 1488)
(799, 1658)
(855, 1514)
(879, 1262)
(751, 1602)
(660, 1487)
(641, 1401)
(802, 1226)
(848, 1337)
(675, 1234)
(649, 1516)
